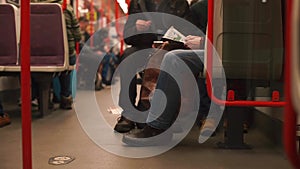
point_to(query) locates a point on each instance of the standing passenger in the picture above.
(83, 23)
(73, 35)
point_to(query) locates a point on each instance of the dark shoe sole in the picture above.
(4, 124)
(159, 140)
(122, 129)
(65, 107)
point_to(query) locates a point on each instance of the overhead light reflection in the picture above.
(123, 5)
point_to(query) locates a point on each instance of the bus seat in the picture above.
(49, 45)
(8, 40)
(248, 36)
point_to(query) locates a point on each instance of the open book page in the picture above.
(174, 35)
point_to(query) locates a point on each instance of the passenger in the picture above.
(156, 126)
(83, 23)
(73, 35)
(4, 118)
(90, 57)
(107, 68)
(135, 26)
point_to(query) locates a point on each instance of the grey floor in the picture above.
(60, 133)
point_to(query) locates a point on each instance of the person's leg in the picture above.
(65, 82)
(167, 84)
(34, 92)
(132, 87)
(204, 100)
(124, 124)
(160, 118)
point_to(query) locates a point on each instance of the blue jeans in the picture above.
(65, 79)
(168, 85)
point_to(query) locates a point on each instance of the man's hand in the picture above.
(142, 25)
(194, 42)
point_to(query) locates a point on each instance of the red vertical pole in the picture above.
(92, 15)
(290, 117)
(209, 45)
(116, 10)
(25, 85)
(127, 2)
(117, 26)
(77, 11)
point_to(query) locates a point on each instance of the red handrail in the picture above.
(290, 116)
(25, 85)
(240, 103)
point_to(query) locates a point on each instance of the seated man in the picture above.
(158, 122)
(136, 33)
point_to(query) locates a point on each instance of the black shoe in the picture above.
(66, 102)
(124, 125)
(99, 87)
(140, 125)
(148, 136)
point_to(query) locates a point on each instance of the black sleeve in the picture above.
(198, 15)
(131, 36)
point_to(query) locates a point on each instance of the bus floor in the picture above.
(60, 133)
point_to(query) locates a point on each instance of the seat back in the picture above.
(49, 46)
(248, 36)
(8, 40)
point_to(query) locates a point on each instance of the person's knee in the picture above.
(128, 52)
(72, 60)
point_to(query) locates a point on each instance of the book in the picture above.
(174, 35)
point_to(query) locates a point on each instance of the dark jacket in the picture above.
(178, 8)
(198, 15)
(73, 31)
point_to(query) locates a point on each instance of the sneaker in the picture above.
(4, 120)
(124, 125)
(34, 102)
(66, 102)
